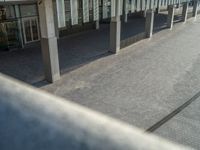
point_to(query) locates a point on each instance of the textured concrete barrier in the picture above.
(31, 119)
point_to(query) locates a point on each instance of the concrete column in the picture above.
(125, 16)
(195, 9)
(185, 11)
(48, 40)
(115, 30)
(144, 13)
(56, 19)
(170, 18)
(158, 6)
(149, 23)
(125, 13)
(97, 25)
(19, 25)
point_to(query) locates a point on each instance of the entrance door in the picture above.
(30, 29)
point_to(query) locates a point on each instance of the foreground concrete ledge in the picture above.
(31, 119)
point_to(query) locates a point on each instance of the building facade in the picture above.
(19, 23)
(24, 22)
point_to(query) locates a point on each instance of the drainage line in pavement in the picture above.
(172, 114)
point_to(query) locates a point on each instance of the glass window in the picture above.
(28, 10)
(7, 12)
(67, 12)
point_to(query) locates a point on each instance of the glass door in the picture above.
(30, 29)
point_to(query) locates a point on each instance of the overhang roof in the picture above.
(2, 2)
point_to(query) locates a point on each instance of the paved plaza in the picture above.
(144, 83)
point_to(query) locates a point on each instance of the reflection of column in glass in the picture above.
(67, 10)
(3, 36)
(132, 6)
(95, 10)
(60, 7)
(19, 24)
(74, 11)
(85, 11)
(105, 9)
(113, 8)
(148, 4)
(143, 5)
(34, 29)
(138, 5)
(27, 28)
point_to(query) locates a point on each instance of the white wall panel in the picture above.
(113, 4)
(86, 11)
(105, 9)
(60, 8)
(132, 6)
(74, 11)
(96, 10)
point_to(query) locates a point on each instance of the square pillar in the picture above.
(56, 19)
(97, 25)
(149, 23)
(158, 6)
(195, 9)
(125, 16)
(170, 18)
(19, 23)
(125, 11)
(115, 30)
(48, 41)
(185, 11)
(144, 13)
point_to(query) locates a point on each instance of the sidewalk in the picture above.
(144, 83)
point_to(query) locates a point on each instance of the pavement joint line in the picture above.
(173, 114)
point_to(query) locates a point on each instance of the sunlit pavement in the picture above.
(144, 83)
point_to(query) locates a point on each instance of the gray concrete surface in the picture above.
(142, 84)
(184, 128)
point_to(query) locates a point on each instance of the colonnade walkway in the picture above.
(74, 51)
(153, 84)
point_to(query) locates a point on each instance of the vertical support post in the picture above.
(125, 18)
(170, 18)
(96, 13)
(115, 29)
(144, 13)
(195, 9)
(97, 25)
(158, 6)
(149, 23)
(48, 40)
(125, 13)
(19, 23)
(185, 11)
(56, 19)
